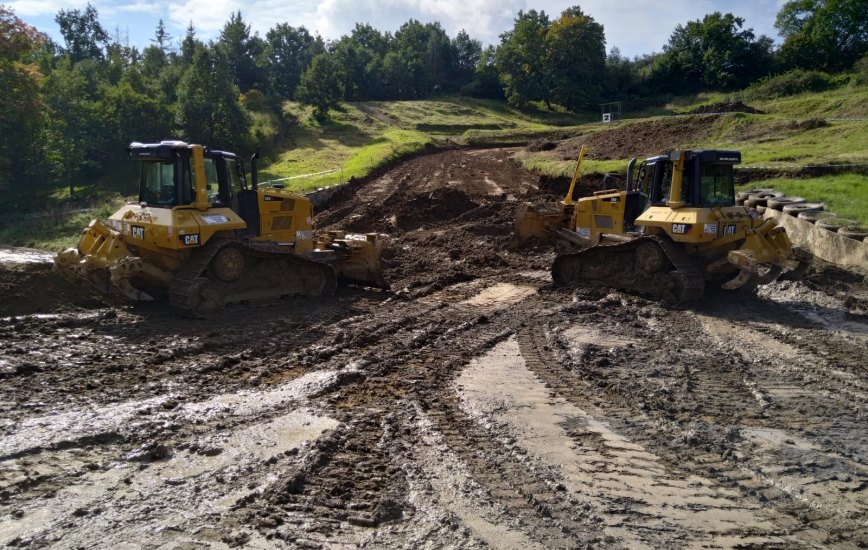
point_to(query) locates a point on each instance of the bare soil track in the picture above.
(473, 406)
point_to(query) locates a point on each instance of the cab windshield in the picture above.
(157, 183)
(160, 182)
(716, 185)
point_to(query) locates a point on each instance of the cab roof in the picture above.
(170, 149)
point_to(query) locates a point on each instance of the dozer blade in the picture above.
(765, 254)
(102, 261)
(537, 221)
(355, 257)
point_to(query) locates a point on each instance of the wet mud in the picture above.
(474, 406)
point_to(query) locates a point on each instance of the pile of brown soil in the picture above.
(726, 107)
(642, 139)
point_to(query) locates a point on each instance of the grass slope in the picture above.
(363, 136)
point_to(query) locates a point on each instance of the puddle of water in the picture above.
(500, 295)
(15, 255)
(137, 503)
(45, 431)
(642, 503)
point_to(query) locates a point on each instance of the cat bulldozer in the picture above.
(675, 227)
(203, 237)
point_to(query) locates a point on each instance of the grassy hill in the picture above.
(823, 128)
(363, 136)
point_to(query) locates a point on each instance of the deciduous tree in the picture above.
(575, 59)
(823, 34)
(321, 85)
(715, 53)
(521, 58)
(82, 32)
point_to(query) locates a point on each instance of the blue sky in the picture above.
(636, 27)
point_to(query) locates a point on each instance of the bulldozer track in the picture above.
(183, 287)
(613, 265)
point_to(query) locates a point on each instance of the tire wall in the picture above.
(323, 194)
(822, 243)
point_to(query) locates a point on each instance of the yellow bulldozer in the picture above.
(675, 227)
(204, 237)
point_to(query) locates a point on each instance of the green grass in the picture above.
(764, 140)
(349, 144)
(846, 101)
(361, 137)
(55, 228)
(845, 195)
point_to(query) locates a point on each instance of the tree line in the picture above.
(67, 108)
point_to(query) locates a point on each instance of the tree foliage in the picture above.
(82, 32)
(823, 34)
(321, 84)
(208, 110)
(242, 52)
(575, 59)
(288, 51)
(520, 58)
(714, 53)
(22, 111)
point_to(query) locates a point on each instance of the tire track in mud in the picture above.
(721, 409)
(811, 444)
(647, 500)
(417, 379)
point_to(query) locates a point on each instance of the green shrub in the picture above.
(790, 83)
(254, 100)
(861, 69)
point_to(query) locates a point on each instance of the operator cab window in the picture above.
(660, 182)
(157, 183)
(212, 183)
(716, 185)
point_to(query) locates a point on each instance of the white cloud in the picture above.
(482, 19)
(32, 8)
(141, 7)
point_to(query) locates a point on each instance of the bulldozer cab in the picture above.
(707, 179)
(166, 175)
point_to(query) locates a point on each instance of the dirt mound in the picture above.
(726, 107)
(648, 138)
(436, 206)
(449, 215)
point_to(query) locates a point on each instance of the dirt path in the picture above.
(474, 407)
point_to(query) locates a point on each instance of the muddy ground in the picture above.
(473, 406)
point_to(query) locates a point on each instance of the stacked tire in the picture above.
(760, 200)
(811, 212)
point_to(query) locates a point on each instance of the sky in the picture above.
(636, 27)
